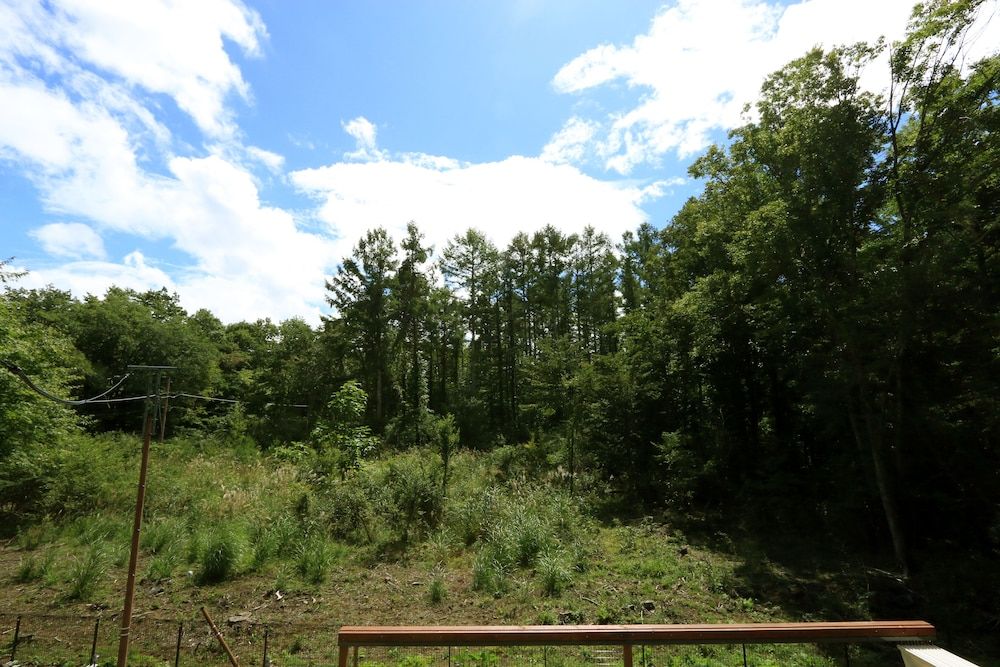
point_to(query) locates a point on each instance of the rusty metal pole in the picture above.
(93, 644)
(222, 641)
(177, 651)
(17, 636)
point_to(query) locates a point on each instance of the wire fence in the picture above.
(40, 639)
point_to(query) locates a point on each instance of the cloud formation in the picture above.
(445, 196)
(701, 62)
(75, 77)
(70, 239)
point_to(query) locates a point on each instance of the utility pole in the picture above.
(151, 413)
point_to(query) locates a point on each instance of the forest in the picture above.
(810, 347)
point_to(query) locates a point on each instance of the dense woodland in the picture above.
(811, 342)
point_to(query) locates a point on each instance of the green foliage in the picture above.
(222, 555)
(341, 440)
(86, 573)
(437, 590)
(34, 568)
(315, 556)
(412, 495)
(554, 572)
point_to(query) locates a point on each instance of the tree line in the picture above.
(811, 340)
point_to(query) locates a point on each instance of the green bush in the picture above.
(316, 555)
(554, 572)
(86, 573)
(349, 509)
(489, 574)
(413, 494)
(437, 590)
(33, 568)
(222, 555)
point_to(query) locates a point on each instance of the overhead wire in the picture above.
(100, 400)
(95, 400)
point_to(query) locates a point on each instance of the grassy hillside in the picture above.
(288, 541)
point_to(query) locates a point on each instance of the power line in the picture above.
(99, 399)
(234, 400)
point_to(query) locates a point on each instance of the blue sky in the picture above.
(234, 152)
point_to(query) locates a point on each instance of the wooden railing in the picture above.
(351, 638)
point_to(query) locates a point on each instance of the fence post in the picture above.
(266, 662)
(342, 658)
(627, 655)
(93, 644)
(17, 635)
(177, 651)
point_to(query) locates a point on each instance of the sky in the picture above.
(235, 152)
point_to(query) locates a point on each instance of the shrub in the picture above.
(489, 574)
(86, 573)
(315, 557)
(554, 572)
(350, 510)
(437, 591)
(413, 494)
(32, 568)
(222, 555)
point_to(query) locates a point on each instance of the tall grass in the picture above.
(86, 573)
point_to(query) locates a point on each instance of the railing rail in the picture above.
(352, 637)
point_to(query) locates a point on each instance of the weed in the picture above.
(221, 558)
(437, 590)
(35, 536)
(86, 573)
(32, 568)
(283, 579)
(488, 573)
(270, 539)
(546, 617)
(158, 536)
(315, 557)
(554, 573)
(163, 564)
(531, 537)
(440, 545)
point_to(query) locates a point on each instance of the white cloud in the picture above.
(90, 277)
(70, 239)
(272, 161)
(569, 144)
(702, 60)
(445, 196)
(499, 198)
(364, 133)
(173, 47)
(81, 136)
